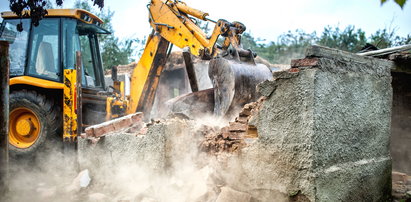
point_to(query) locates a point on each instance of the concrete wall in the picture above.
(163, 146)
(324, 132)
(323, 135)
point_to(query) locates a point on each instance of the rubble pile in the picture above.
(231, 138)
(401, 186)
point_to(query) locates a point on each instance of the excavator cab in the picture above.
(44, 51)
(42, 68)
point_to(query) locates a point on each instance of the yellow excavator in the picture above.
(56, 72)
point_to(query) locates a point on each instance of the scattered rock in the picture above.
(401, 186)
(399, 177)
(81, 181)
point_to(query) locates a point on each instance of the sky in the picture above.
(267, 19)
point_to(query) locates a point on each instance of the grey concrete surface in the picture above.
(153, 151)
(324, 132)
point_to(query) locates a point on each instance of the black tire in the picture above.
(48, 114)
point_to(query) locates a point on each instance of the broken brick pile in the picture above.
(401, 186)
(231, 138)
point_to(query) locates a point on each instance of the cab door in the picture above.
(79, 36)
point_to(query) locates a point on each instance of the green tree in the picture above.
(385, 38)
(292, 44)
(349, 39)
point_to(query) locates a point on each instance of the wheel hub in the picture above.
(24, 127)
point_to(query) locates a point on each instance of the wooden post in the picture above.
(4, 116)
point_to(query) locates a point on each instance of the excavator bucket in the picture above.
(235, 83)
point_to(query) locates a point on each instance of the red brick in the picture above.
(236, 135)
(89, 131)
(83, 135)
(137, 117)
(306, 62)
(241, 119)
(225, 129)
(103, 129)
(294, 70)
(237, 127)
(245, 112)
(122, 123)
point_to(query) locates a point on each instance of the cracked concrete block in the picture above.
(323, 133)
(267, 87)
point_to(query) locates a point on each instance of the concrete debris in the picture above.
(230, 195)
(192, 105)
(265, 88)
(84, 178)
(399, 177)
(141, 129)
(401, 186)
(81, 181)
(153, 121)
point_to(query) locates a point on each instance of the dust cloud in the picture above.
(190, 175)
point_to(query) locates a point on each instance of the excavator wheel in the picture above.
(34, 122)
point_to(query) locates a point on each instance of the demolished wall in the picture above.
(322, 133)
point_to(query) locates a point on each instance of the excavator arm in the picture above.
(175, 22)
(171, 24)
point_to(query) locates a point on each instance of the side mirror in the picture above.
(114, 73)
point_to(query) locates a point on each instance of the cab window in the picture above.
(18, 44)
(44, 55)
(79, 36)
(71, 43)
(88, 62)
